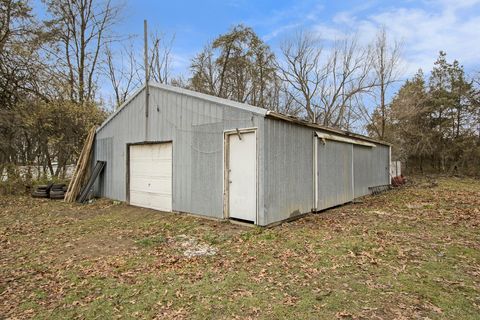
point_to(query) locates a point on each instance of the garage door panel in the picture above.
(139, 198)
(149, 200)
(148, 184)
(143, 166)
(144, 173)
(151, 176)
(145, 160)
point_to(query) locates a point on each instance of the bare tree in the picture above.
(476, 102)
(125, 68)
(327, 85)
(160, 57)
(301, 70)
(83, 29)
(286, 103)
(205, 74)
(122, 73)
(345, 80)
(386, 67)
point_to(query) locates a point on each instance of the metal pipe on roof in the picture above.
(147, 77)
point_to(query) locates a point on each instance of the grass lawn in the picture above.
(409, 253)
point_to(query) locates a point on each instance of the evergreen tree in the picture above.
(238, 65)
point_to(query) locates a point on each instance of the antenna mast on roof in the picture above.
(147, 77)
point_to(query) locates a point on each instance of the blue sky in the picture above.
(424, 27)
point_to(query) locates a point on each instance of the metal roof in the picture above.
(327, 136)
(203, 96)
(280, 116)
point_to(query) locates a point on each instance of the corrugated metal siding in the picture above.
(362, 165)
(127, 126)
(288, 181)
(196, 127)
(335, 184)
(381, 165)
(288, 172)
(370, 168)
(104, 152)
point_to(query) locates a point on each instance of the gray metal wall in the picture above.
(288, 181)
(362, 168)
(380, 165)
(196, 127)
(104, 151)
(335, 176)
(371, 168)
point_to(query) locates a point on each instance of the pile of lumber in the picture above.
(80, 175)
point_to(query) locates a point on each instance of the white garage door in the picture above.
(151, 176)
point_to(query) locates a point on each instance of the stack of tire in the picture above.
(58, 191)
(51, 190)
(42, 191)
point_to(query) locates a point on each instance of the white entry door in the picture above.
(151, 176)
(242, 176)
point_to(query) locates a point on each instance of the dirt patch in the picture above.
(192, 247)
(94, 247)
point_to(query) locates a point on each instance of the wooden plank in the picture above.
(80, 174)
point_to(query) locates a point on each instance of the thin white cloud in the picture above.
(424, 31)
(284, 20)
(325, 32)
(455, 4)
(180, 63)
(273, 34)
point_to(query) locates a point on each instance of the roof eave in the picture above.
(279, 116)
(207, 97)
(120, 108)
